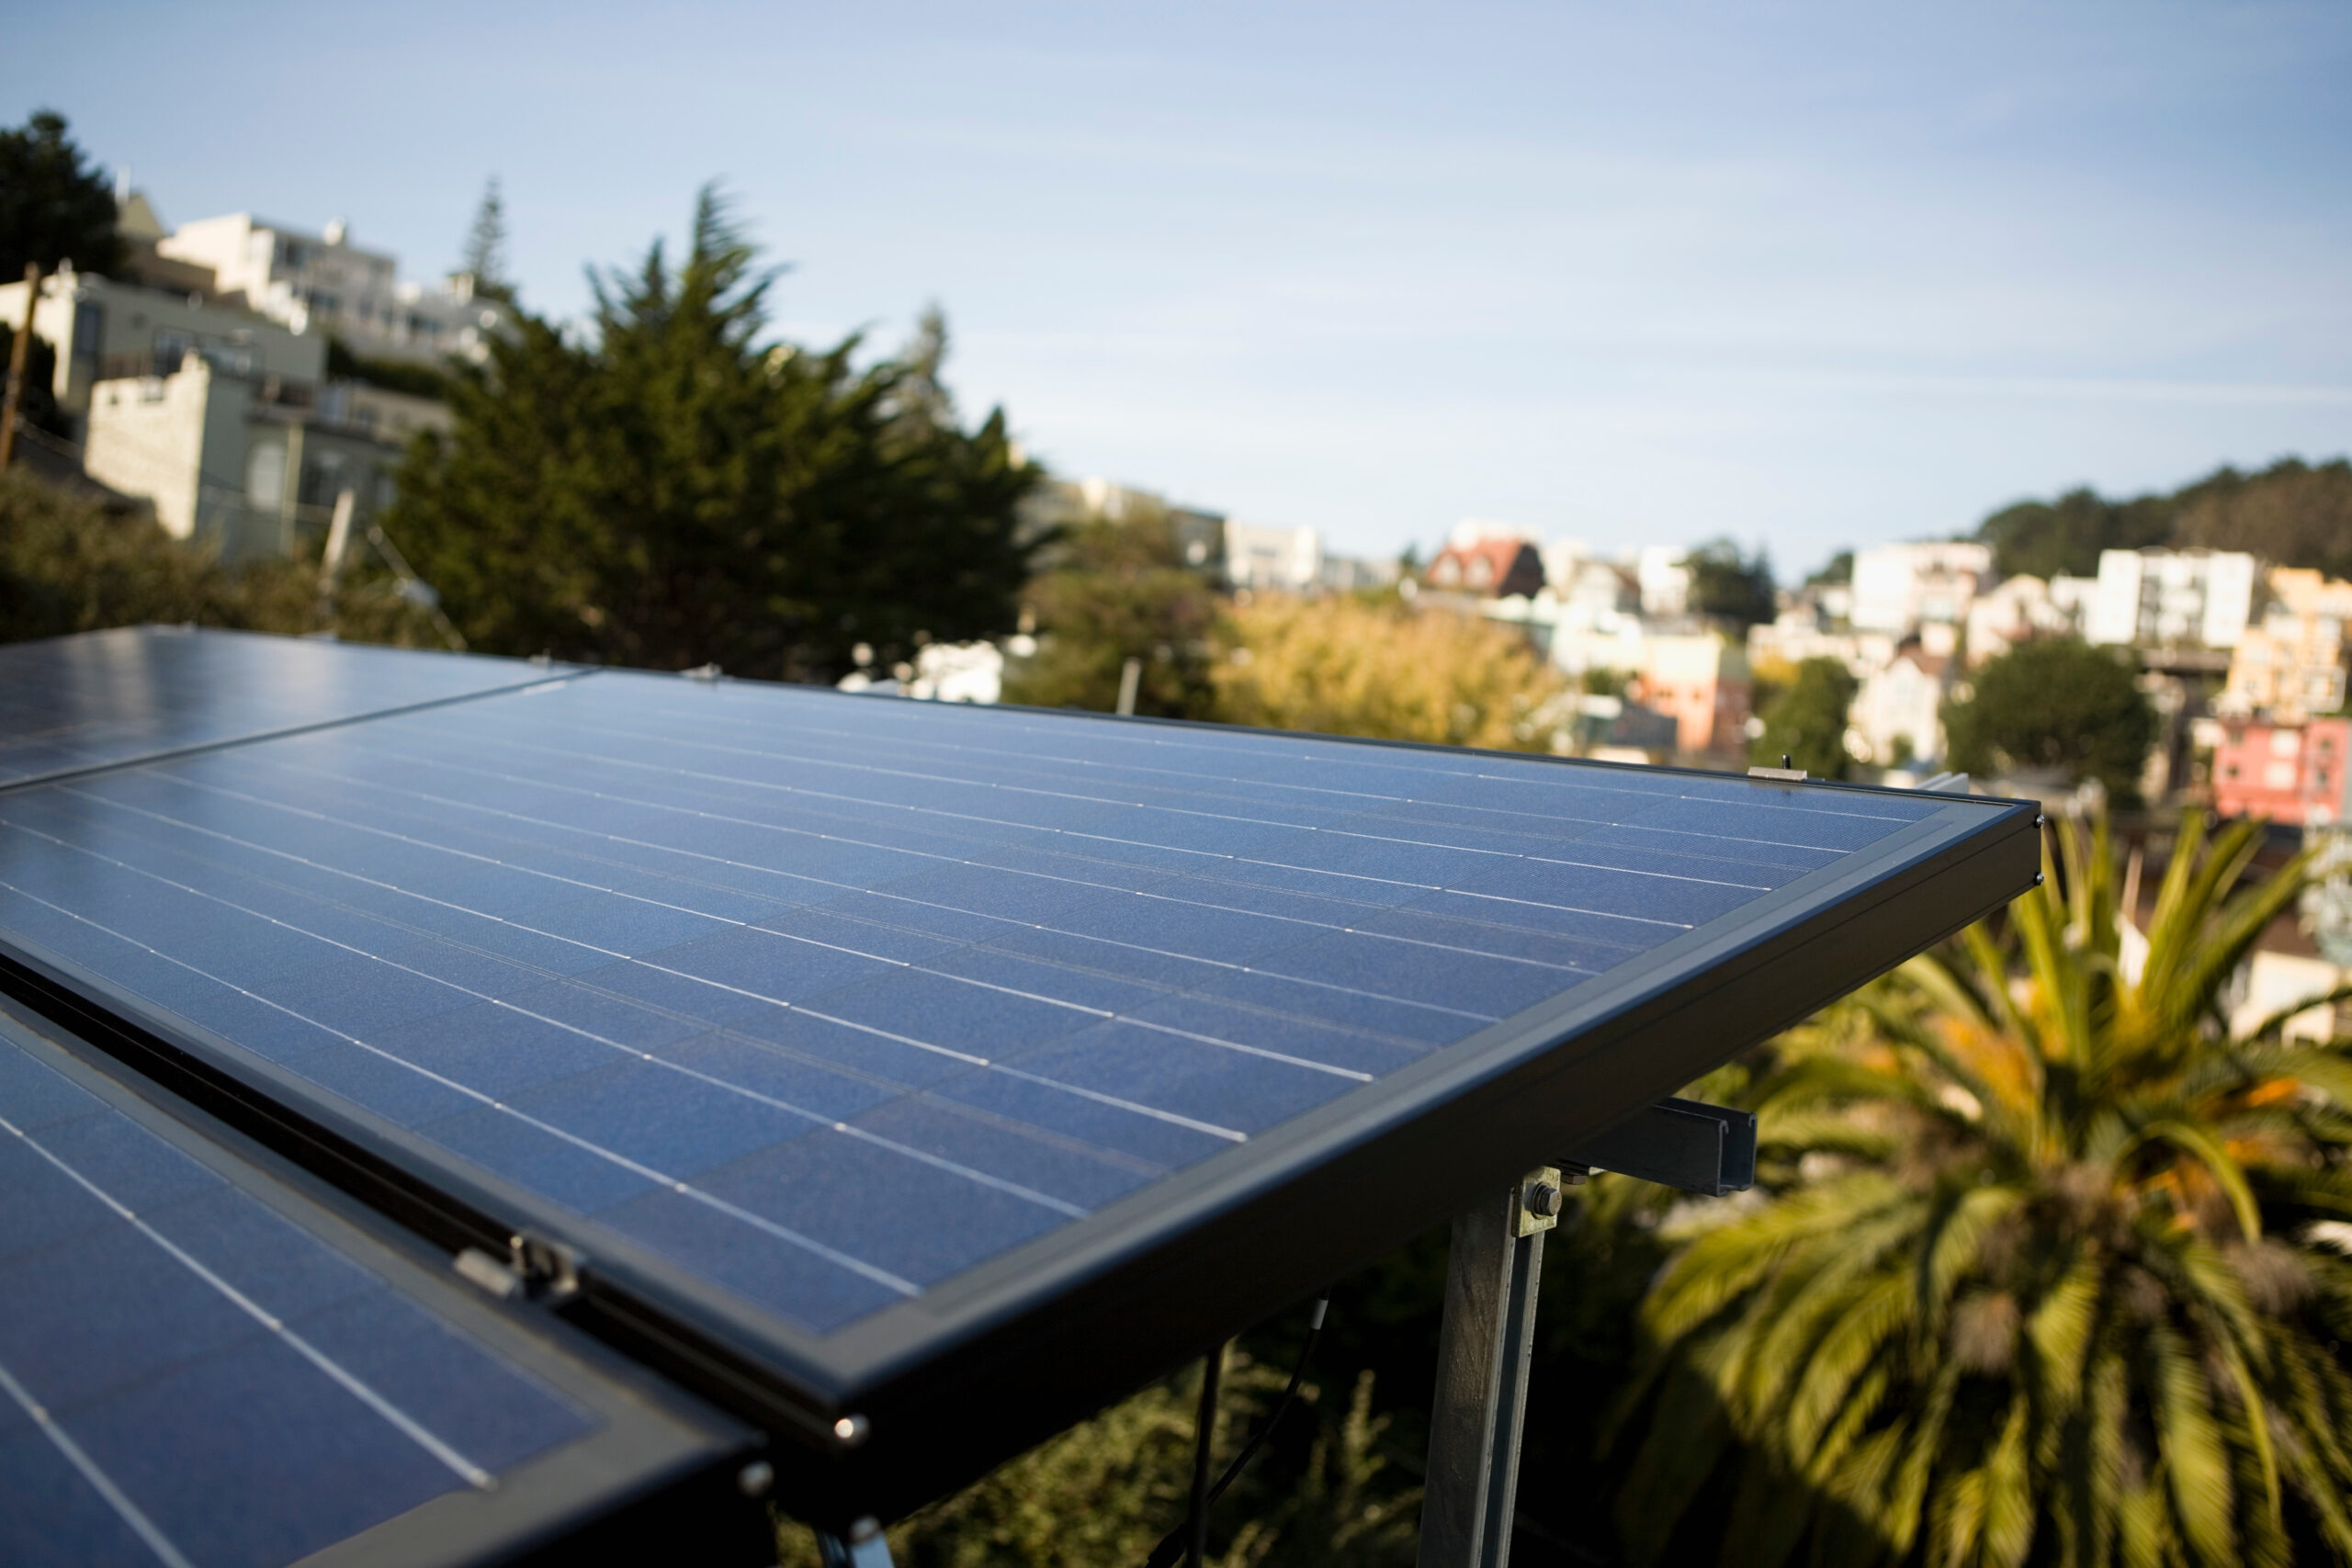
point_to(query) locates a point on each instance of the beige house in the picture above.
(2290, 665)
(246, 465)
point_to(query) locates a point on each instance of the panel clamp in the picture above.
(549, 1270)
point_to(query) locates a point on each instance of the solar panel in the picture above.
(892, 1058)
(74, 702)
(198, 1366)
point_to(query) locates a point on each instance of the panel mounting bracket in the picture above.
(1707, 1149)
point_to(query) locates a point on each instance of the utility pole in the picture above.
(18, 355)
(331, 560)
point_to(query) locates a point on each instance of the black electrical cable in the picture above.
(1197, 1517)
(1195, 1529)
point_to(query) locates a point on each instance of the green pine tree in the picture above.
(674, 488)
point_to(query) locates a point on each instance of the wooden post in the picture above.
(18, 353)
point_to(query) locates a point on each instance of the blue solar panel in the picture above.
(75, 703)
(747, 974)
(186, 1376)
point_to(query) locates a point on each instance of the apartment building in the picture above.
(2169, 599)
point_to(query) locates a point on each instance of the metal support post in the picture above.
(865, 1547)
(1492, 1271)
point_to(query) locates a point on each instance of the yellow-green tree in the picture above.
(2037, 1279)
(1365, 666)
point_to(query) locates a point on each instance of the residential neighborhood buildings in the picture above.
(198, 381)
(1899, 588)
(324, 282)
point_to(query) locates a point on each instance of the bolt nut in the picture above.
(755, 1478)
(1544, 1201)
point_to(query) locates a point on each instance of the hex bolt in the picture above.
(1544, 1201)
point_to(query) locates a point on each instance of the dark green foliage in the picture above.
(2290, 514)
(1114, 591)
(1602, 682)
(680, 489)
(1838, 568)
(37, 404)
(392, 375)
(52, 207)
(1728, 587)
(2055, 703)
(1807, 722)
(2046, 540)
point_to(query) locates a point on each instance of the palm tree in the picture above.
(2039, 1270)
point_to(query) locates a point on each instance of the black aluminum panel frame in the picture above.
(1018, 1348)
(660, 1474)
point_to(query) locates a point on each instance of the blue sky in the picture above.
(1808, 274)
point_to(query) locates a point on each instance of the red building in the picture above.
(2288, 773)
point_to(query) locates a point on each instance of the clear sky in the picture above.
(1808, 274)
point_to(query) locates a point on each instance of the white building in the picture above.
(1899, 588)
(324, 283)
(1665, 582)
(102, 329)
(1289, 559)
(1797, 636)
(1897, 715)
(2162, 598)
(2026, 606)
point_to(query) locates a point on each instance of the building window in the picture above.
(265, 475)
(171, 349)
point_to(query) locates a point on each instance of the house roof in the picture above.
(1490, 565)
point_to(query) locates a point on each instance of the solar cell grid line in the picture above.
(95, 700)
(201, 1366)
(898, 1060)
